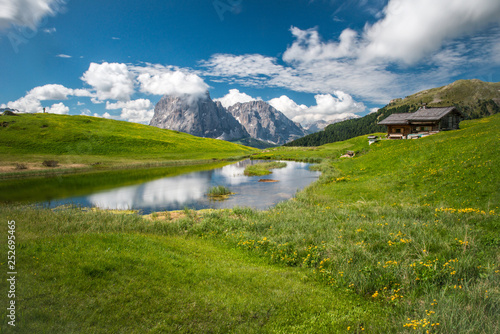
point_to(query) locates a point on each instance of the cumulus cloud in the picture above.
(373, 63)
(30, 103)
(110, 81)
(159, 80)
(288, 106)
(137, 111)
(51, 92)
(410, 30)
(234, 96)
(58, 108)
(25, 104)
(26, 13)
(327, 108)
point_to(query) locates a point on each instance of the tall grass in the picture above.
(217, 191)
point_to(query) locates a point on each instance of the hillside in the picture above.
(401, 238)
(30, 138)
(474, 98)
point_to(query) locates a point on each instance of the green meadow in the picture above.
(401, 238)
(91, 142)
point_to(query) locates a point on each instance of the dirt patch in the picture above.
(31, 166)
(171, 216)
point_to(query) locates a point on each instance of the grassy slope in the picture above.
(83, 139)
(468, 92)
(409, 224)
(413, 224)
(97, 272)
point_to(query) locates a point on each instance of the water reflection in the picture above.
(189, 190)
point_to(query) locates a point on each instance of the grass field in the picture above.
(98, 272)
(82, 141)
(402, 238)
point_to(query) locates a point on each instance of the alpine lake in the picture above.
(189, 190)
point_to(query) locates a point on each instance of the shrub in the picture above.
(21, 166)
(50, 163)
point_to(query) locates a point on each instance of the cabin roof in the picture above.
(422, 114)
(395, 119)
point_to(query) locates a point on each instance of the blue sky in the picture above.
(312, 60)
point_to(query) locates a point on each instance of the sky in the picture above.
(310, 59)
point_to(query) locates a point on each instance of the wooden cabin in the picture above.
(424, 121)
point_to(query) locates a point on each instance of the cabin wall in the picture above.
(402, 129)
(450, 122)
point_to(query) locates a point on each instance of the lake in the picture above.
(189, 190)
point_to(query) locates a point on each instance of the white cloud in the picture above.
(374, 63)
(134, 104)
(308, 46)
(51, 92)
(373, 110)
(110, 81)
(58, 108)
(137, 116)
(327, 108)
(161, 80)
(49, 30)
(288, 106)
(86, 112)
(411, 30)
(234, 96)
(26, 13)
(25, 104)
(137, 111)
(30, 103)
(63, 56)
(242, 66)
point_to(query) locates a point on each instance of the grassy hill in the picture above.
(32, 138)
(402, 238)
(474, 98)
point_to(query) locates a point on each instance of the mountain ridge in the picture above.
(474, 98)
(203, 117)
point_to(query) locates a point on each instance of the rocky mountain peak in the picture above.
(199, 116)
(264, 122)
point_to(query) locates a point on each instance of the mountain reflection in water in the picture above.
(189, 190)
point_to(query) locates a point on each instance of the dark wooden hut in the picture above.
(424, 121)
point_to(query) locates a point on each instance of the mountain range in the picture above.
(254, 123)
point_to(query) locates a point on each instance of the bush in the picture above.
(50, 163)
(21, 166)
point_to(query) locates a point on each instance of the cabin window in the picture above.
(450, 121)
(398, 130)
